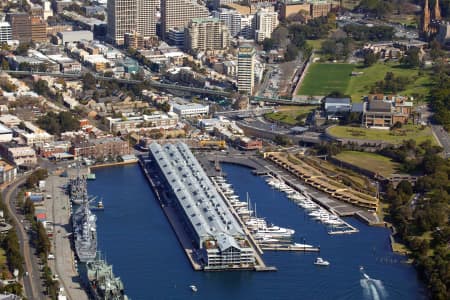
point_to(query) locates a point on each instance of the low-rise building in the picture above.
(109, 147)
(10, 120)
(189, 109)
(8, 172)
(6, 134)
(135, 123)
(385, 111)
(246, 143)
(18, 154)
(335, 107)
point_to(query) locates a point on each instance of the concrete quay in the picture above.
(64, 264)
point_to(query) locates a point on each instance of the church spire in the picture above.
(426, 17)
(437, 11)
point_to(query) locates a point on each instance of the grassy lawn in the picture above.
(407, 132)
(370, 161)
(350, 4)
(316, 44)
(290, 115)
(2, 257)
(360, 85)
(322, 79)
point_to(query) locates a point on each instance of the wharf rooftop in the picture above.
(218, 237)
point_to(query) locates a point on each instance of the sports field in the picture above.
(325, 78)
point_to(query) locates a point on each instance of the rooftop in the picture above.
(202, 204)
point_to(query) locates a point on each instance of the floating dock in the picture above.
(289, 248)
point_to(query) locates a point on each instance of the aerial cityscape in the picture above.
(226, 149)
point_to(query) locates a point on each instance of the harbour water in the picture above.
(136, 238)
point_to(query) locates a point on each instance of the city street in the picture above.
(32, 283)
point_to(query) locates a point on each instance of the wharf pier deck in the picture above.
(185, 240)
(261, 166)
(64, 264)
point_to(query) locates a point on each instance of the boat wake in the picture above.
(372, 288)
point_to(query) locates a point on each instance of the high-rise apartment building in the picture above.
(146, 17)
(237, 23)
(132, 17)
(266, 22)
(5, 32)
(178, 13)
(122, 15)
(246, 66)
(206, 34)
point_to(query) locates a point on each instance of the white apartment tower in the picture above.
(266, 22)
(238, 24)
(246, 66)
(121, 19)
(5, 32)
(206, 34)
(178, 13)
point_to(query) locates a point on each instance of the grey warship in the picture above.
(85, 231)
(103, 285)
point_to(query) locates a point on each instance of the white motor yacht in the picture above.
(193, 288)
(321, 262)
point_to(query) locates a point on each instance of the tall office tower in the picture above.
(146, 17)
(178, 13)
(122, 15)
(206, 34)
(266, 22)
(38, 29)
(5, 32)
(246, 66)
(21, 26)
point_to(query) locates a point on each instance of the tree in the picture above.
(280, 36)
(370, 58)
(268, 44)
(5, 64)
(291, 52)
(411, 58)
(88, 81)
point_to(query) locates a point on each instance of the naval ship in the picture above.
(103, 284)
(84, 231)
(77, 188)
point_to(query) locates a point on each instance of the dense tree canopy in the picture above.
(57, 123)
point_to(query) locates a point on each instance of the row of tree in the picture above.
(422, 221)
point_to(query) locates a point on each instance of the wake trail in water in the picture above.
(372, 288)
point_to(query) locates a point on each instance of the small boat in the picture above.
(100, 204)
(90, 176)
(193, 288)
(321, 262)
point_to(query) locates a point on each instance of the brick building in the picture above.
(109, 147)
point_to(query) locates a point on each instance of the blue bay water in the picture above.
(137, 239)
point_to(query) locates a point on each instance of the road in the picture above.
(32, 283)
(426, 117)
(443, 138)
